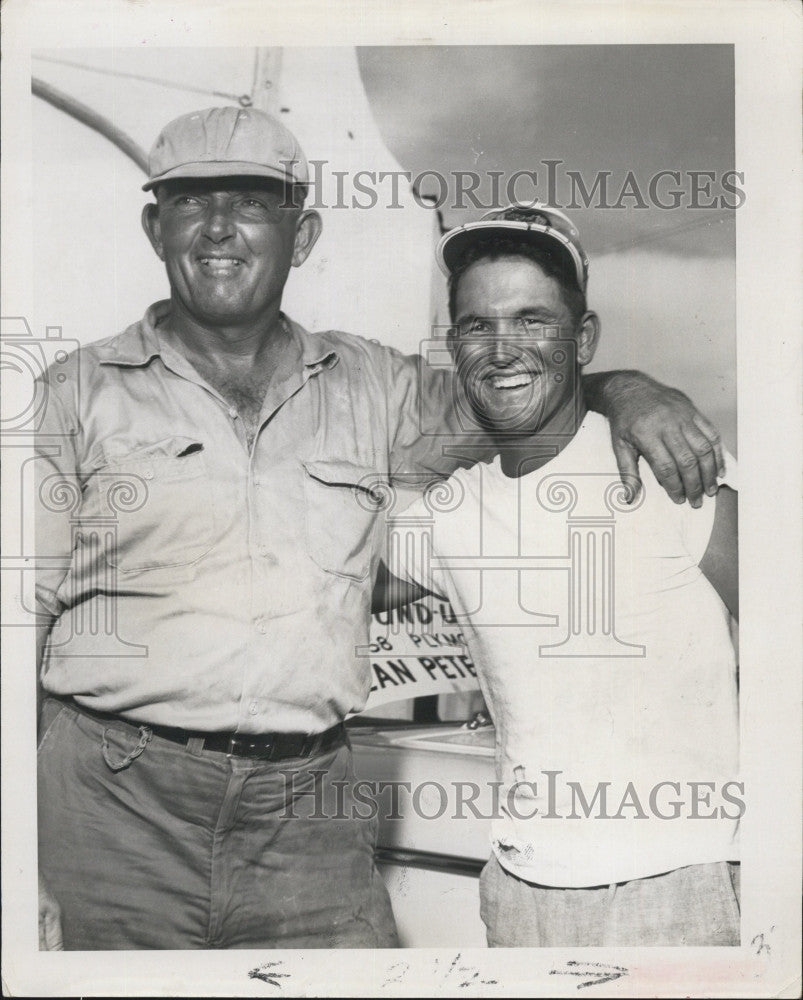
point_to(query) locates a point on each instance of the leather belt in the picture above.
(262, 746)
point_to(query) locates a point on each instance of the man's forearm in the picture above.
(647, 418)
(595, 387)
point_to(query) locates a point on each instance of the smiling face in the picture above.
(228, 245)
(517, 346)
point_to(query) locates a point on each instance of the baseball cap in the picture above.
(531, 222)
(226, 142)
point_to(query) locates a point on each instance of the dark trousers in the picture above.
(184, 848)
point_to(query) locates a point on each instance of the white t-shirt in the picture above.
(605, 658)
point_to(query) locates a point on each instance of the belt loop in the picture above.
(145, 736)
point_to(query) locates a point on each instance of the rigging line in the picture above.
(242, 99)
(91, 119)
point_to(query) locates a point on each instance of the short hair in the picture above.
(554, 263)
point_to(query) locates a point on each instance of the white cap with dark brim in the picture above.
(530, 222)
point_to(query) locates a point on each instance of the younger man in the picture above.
(600, 631)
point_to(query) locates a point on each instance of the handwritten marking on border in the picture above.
(265, 973)
(461, 975)
(760, 943)
(595, 973)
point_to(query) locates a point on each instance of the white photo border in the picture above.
(766, 35)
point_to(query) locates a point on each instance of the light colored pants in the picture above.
(186, 848)
(694, 906)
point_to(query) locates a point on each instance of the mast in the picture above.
(267, 78)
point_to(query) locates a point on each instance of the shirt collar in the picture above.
(139, 344)
(318, 351)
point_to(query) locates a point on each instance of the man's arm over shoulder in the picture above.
(435, 431)
(647, 418)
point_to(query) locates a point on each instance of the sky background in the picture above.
(618, 108)
(662, 281)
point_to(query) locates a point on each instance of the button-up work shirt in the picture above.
(200, 585)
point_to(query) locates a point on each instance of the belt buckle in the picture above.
(242, 746)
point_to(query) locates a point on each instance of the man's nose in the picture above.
(504, 349)
(218, 224)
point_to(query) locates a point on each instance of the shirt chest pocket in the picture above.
(156, 506)
(342, 505)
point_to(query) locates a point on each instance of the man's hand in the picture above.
(50, 938)
(662, 424)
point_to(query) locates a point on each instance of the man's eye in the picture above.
(475, 327)
(538, 328)
(185, 201)
(261, 205)
(532, 323)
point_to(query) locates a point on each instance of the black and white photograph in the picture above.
(401, 552)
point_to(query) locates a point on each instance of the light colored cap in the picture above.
(226, 142)
(530, 222)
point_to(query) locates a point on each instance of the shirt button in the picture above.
(232, 413)
(253, 708)
(148, 473)
(262, 626)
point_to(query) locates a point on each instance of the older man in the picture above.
(212, 452)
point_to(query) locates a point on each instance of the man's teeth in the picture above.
(512, 381)
(221, 261)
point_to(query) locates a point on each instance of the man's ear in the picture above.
(308, 229)
(588, 338)
(153, 228)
